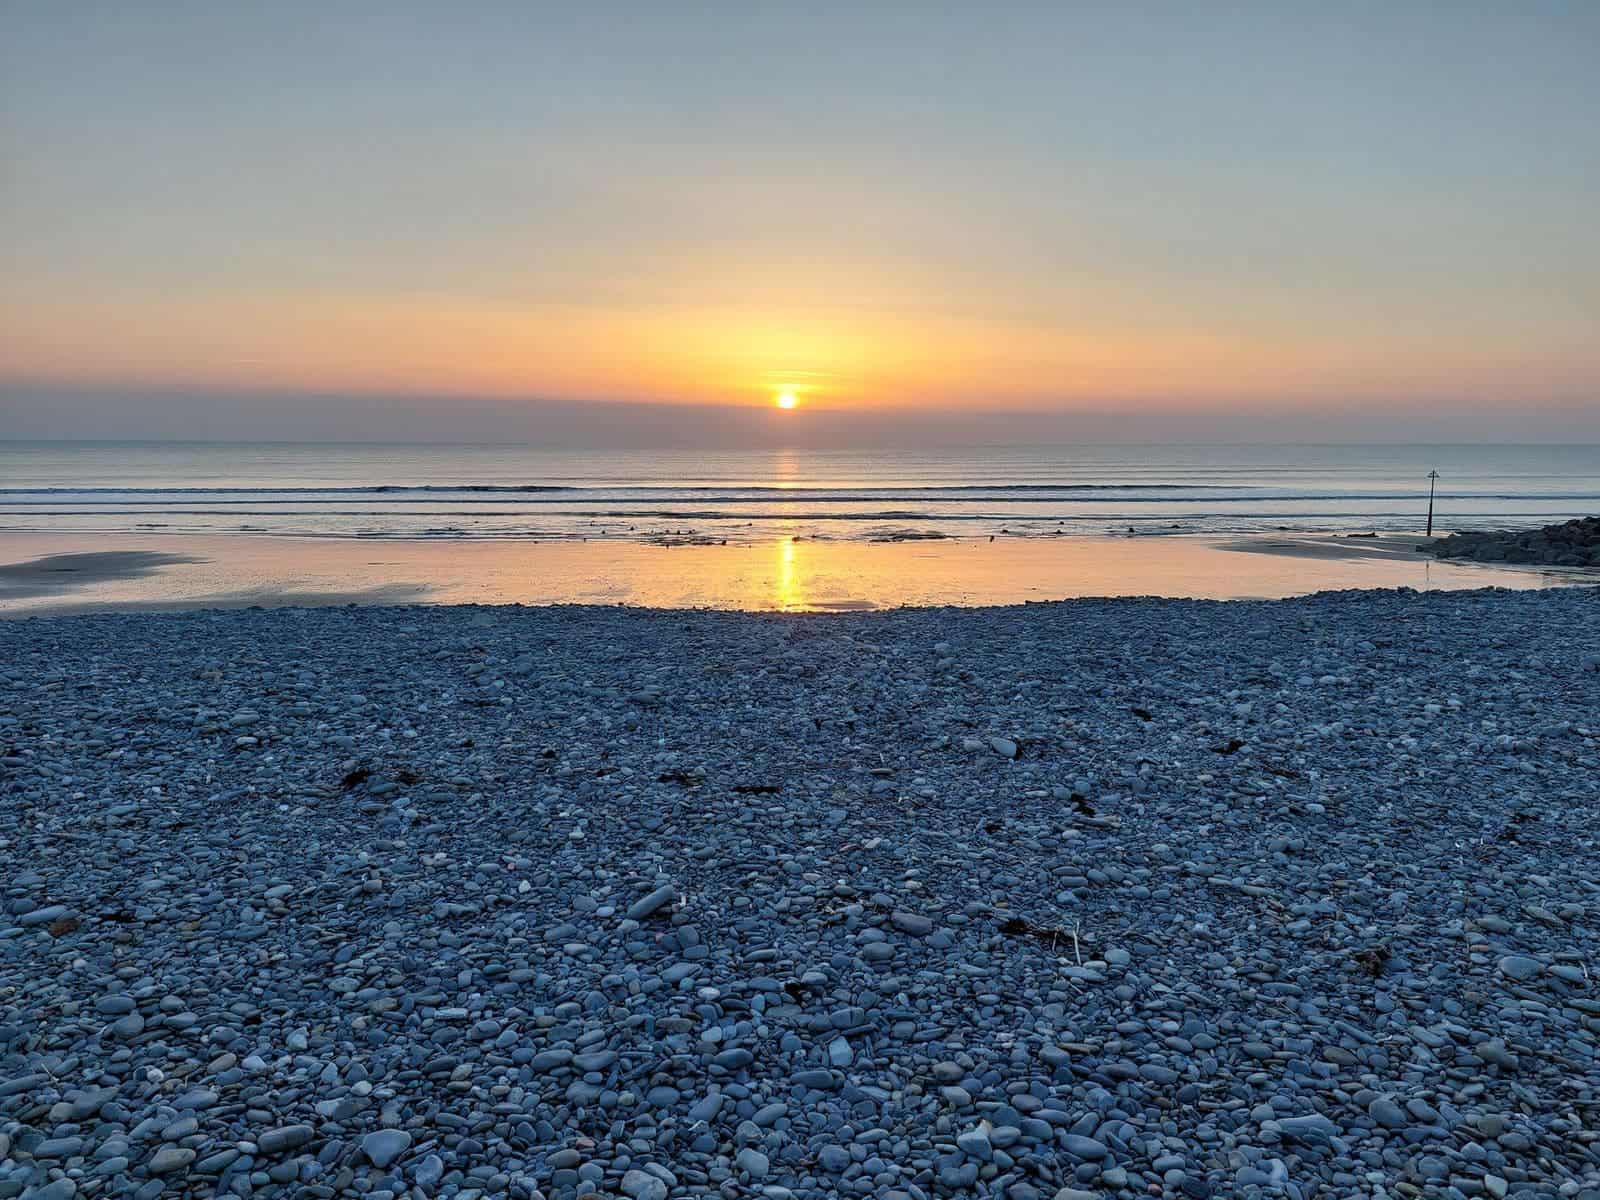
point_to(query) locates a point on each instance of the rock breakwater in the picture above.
(1570, 544)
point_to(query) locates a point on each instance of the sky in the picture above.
(1345, 221)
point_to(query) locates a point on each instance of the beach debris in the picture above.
(1373, 959)
(1021, 927)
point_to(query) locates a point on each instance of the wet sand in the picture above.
(1391, 546)
(55, 574)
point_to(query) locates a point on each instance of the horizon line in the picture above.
(504, 443)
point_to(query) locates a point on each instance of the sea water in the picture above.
(538, 494)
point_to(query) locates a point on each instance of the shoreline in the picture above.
(58, 574)
(1100, 898)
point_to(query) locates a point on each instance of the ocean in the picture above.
(534, 494)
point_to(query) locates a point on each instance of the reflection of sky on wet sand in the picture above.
(788, 575)
(787, 593)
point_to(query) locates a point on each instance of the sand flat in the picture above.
(223, 571)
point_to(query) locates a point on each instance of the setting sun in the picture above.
(787, 400)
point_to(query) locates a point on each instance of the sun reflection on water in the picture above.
(788, 596)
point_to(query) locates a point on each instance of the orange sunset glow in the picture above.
(891, 360)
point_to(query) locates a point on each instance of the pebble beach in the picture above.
(1099, 898)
